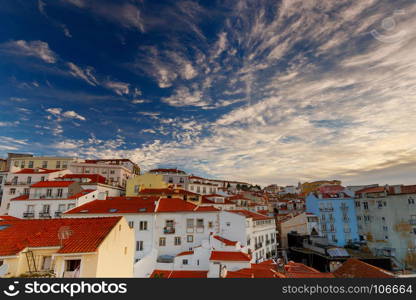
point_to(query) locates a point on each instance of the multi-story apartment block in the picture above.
(18, 183)
(309, 187)
(303, 224)
(335, 207)
(36, 162)
(127, 163)
(50, 199)
(95, 182)
(116, 172)
(387, 221)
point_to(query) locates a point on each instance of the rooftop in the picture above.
(230, 256)
(122, 206)
(36, 171)
(354, 268)
(47, 184)
(83, 234)
(178, 274)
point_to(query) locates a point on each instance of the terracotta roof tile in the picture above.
(47, 184)
(354, 268)
(225, 241)
(84, 234)
(229, 256)
(135, 206)
(178, 274)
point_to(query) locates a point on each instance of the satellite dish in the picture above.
(4, 268)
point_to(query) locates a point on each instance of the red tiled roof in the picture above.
(178, 274)
(167, 171)
(230, 256)
(94, 178)
(354, 268)
(166, 191)
(5, 218)
(207, 201)
(85, 234)
(20, 198)
(225, 241)
(36, 171)
(116, 206)
(377, 189)
(298, 270)
(179, 205)
(255, 273)
(250, 214)
(153, 198)
(42, 184)
(408, 189)
(185, 253)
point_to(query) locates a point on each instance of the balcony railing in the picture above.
(412, 222)
(169, 230)
(258, 245)
(326, 209)
(28, 214)
(16, 183)
(44, 215)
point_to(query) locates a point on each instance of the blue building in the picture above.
(335, 207)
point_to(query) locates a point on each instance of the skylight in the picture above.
(111, 210)
(4, 226)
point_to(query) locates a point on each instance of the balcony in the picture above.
(267, 242)
(169, 230)
(258, 246)
(412, 221)
(28, 214)
(326, 209)
(16, 183)
(44, 215)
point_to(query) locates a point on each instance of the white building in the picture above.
(116, 174)
(304, 224)
(18, 183)
(49, 199)
(95, 182)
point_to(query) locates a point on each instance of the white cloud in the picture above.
(85, 74)
(73, 115)
(184, 97)
(58, 112)
(37, 49)
(120, 88)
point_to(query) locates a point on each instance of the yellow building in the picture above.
(309, 187)
(84, 247)
(3, 165)
(144, 181)
(45, 162)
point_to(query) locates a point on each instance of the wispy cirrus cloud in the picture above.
(38, 49)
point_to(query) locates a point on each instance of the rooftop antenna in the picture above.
(64, 233)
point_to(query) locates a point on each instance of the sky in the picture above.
(260, 91)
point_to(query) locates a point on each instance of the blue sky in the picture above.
(260, 91)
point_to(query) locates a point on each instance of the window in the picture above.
(357, 204)
(45, 164)
(204, 190)
(29, 180)
(46, 208)
(181, 180)
(58, 164)
(162, 241)
(42, 178)
(200, 223)
(16, 163)
(190, 238)
(365, 204)
(169, 223)
(22, 165)
(411, 200)
(26, 191)
(131, 224)
(48, 192)
(59, 193)
(385, 228)
(323, 217)
(177, 241)
(46, 263)
(71, 206)
(139, 245)
(189, 223)
(210, 224)
(30, 208)
(198, 189)
(184, 261)
(143, 225)
(191, 187)
(61, 207)
(12, 191)
(30, 166)
(136, 189)
(170, 180)
(228, 224)
(112, 172)
(64, 165)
